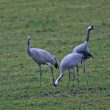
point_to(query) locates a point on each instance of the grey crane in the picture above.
(42, 57)
(69, 62)
(83, 47)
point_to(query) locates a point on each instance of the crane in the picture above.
(42, 57)
(84, 46)
(70, 61)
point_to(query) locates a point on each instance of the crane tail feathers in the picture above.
(56, 65)
(86, 54)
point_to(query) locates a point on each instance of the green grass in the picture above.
(57, 26)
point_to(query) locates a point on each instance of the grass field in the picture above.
(57, 26)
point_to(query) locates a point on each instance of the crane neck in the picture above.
(28, 47)
(88, 36)
(58, 79)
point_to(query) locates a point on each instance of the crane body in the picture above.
(41, 57)
(84, 46)
(69, 62)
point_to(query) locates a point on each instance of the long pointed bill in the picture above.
(95, 28)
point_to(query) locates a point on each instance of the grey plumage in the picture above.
(41, 57)
(83, 47)
(69, 62)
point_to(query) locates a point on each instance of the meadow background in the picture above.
(57, 26)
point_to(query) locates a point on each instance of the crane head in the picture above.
(91, 27)
(55, 83)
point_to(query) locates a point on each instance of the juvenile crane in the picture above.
(42, 57)
(69, 62)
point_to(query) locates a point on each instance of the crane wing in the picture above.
(86, 54)
(81, 47)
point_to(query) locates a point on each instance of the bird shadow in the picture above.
(76, 91)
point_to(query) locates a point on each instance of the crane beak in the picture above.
(95, 28)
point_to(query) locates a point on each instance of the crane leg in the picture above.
(51, 72)
(40, 75)
(77, 69)
(73, 75)
(77, 72)
(85, 72)
(69, 78)
(84, 69)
